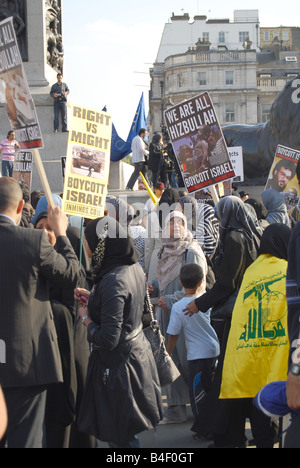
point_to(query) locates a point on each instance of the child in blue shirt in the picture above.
(200, 338)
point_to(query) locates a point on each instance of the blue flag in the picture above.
(139, 120)
(120, 148)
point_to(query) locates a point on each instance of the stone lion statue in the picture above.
(259, 142)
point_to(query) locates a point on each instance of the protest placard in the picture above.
(14, 90)
(87, 163)
(282, 176)
(23, 168)
(198, 143)
(236, 158)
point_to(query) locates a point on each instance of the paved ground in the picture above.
(169, 436)
(177, 436)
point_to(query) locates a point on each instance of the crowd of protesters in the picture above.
(74, 329)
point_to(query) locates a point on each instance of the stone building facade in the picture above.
(228, 76)
(243, 80)
(287, 37)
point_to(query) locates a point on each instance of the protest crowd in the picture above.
(79, 367)
(115, 317)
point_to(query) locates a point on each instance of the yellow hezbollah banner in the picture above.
(258, 345)
(87, 163)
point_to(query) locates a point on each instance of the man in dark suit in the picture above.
(27, 263)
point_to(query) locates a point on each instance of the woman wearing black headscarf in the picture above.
(155, 157)
(122, 394)
(260, 210)
(238, 247)
(188, 205)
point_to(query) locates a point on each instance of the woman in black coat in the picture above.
(122, 394)
(155, 157)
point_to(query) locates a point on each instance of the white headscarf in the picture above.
(171, 254)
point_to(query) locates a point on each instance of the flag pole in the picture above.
(151, 194)
(214, 194)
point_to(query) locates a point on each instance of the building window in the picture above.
(205, 37)
(265, 112)
(243, 35)
(202, 78)
(267, 36)
(229, 78)
(229, 113)
(221, 37)
(179, 80)
(285, 36)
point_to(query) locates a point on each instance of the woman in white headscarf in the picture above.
(178, 248)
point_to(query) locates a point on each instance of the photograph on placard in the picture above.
(282, 176)
(88, 162)
(198, 143)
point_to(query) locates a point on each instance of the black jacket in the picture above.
(230, 273)
(122, 394)
(27, 264)
(155, 157)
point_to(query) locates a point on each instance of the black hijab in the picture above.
(111, 246)
(275, 240)
(156, 139)
(191, 206)
(234, 215)
(169, 197)
(261, 211)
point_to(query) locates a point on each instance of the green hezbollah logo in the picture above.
(263, 323)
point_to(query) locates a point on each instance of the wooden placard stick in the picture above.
(214, 194)
(43, 177)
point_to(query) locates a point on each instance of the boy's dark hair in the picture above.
(26, 192)
(142, 130)
(34, 197)
(191, 275)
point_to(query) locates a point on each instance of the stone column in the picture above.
(38, 72)
(40, 76)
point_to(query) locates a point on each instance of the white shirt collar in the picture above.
(8, 217)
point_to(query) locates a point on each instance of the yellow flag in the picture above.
(258, 345)
(151, 194)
